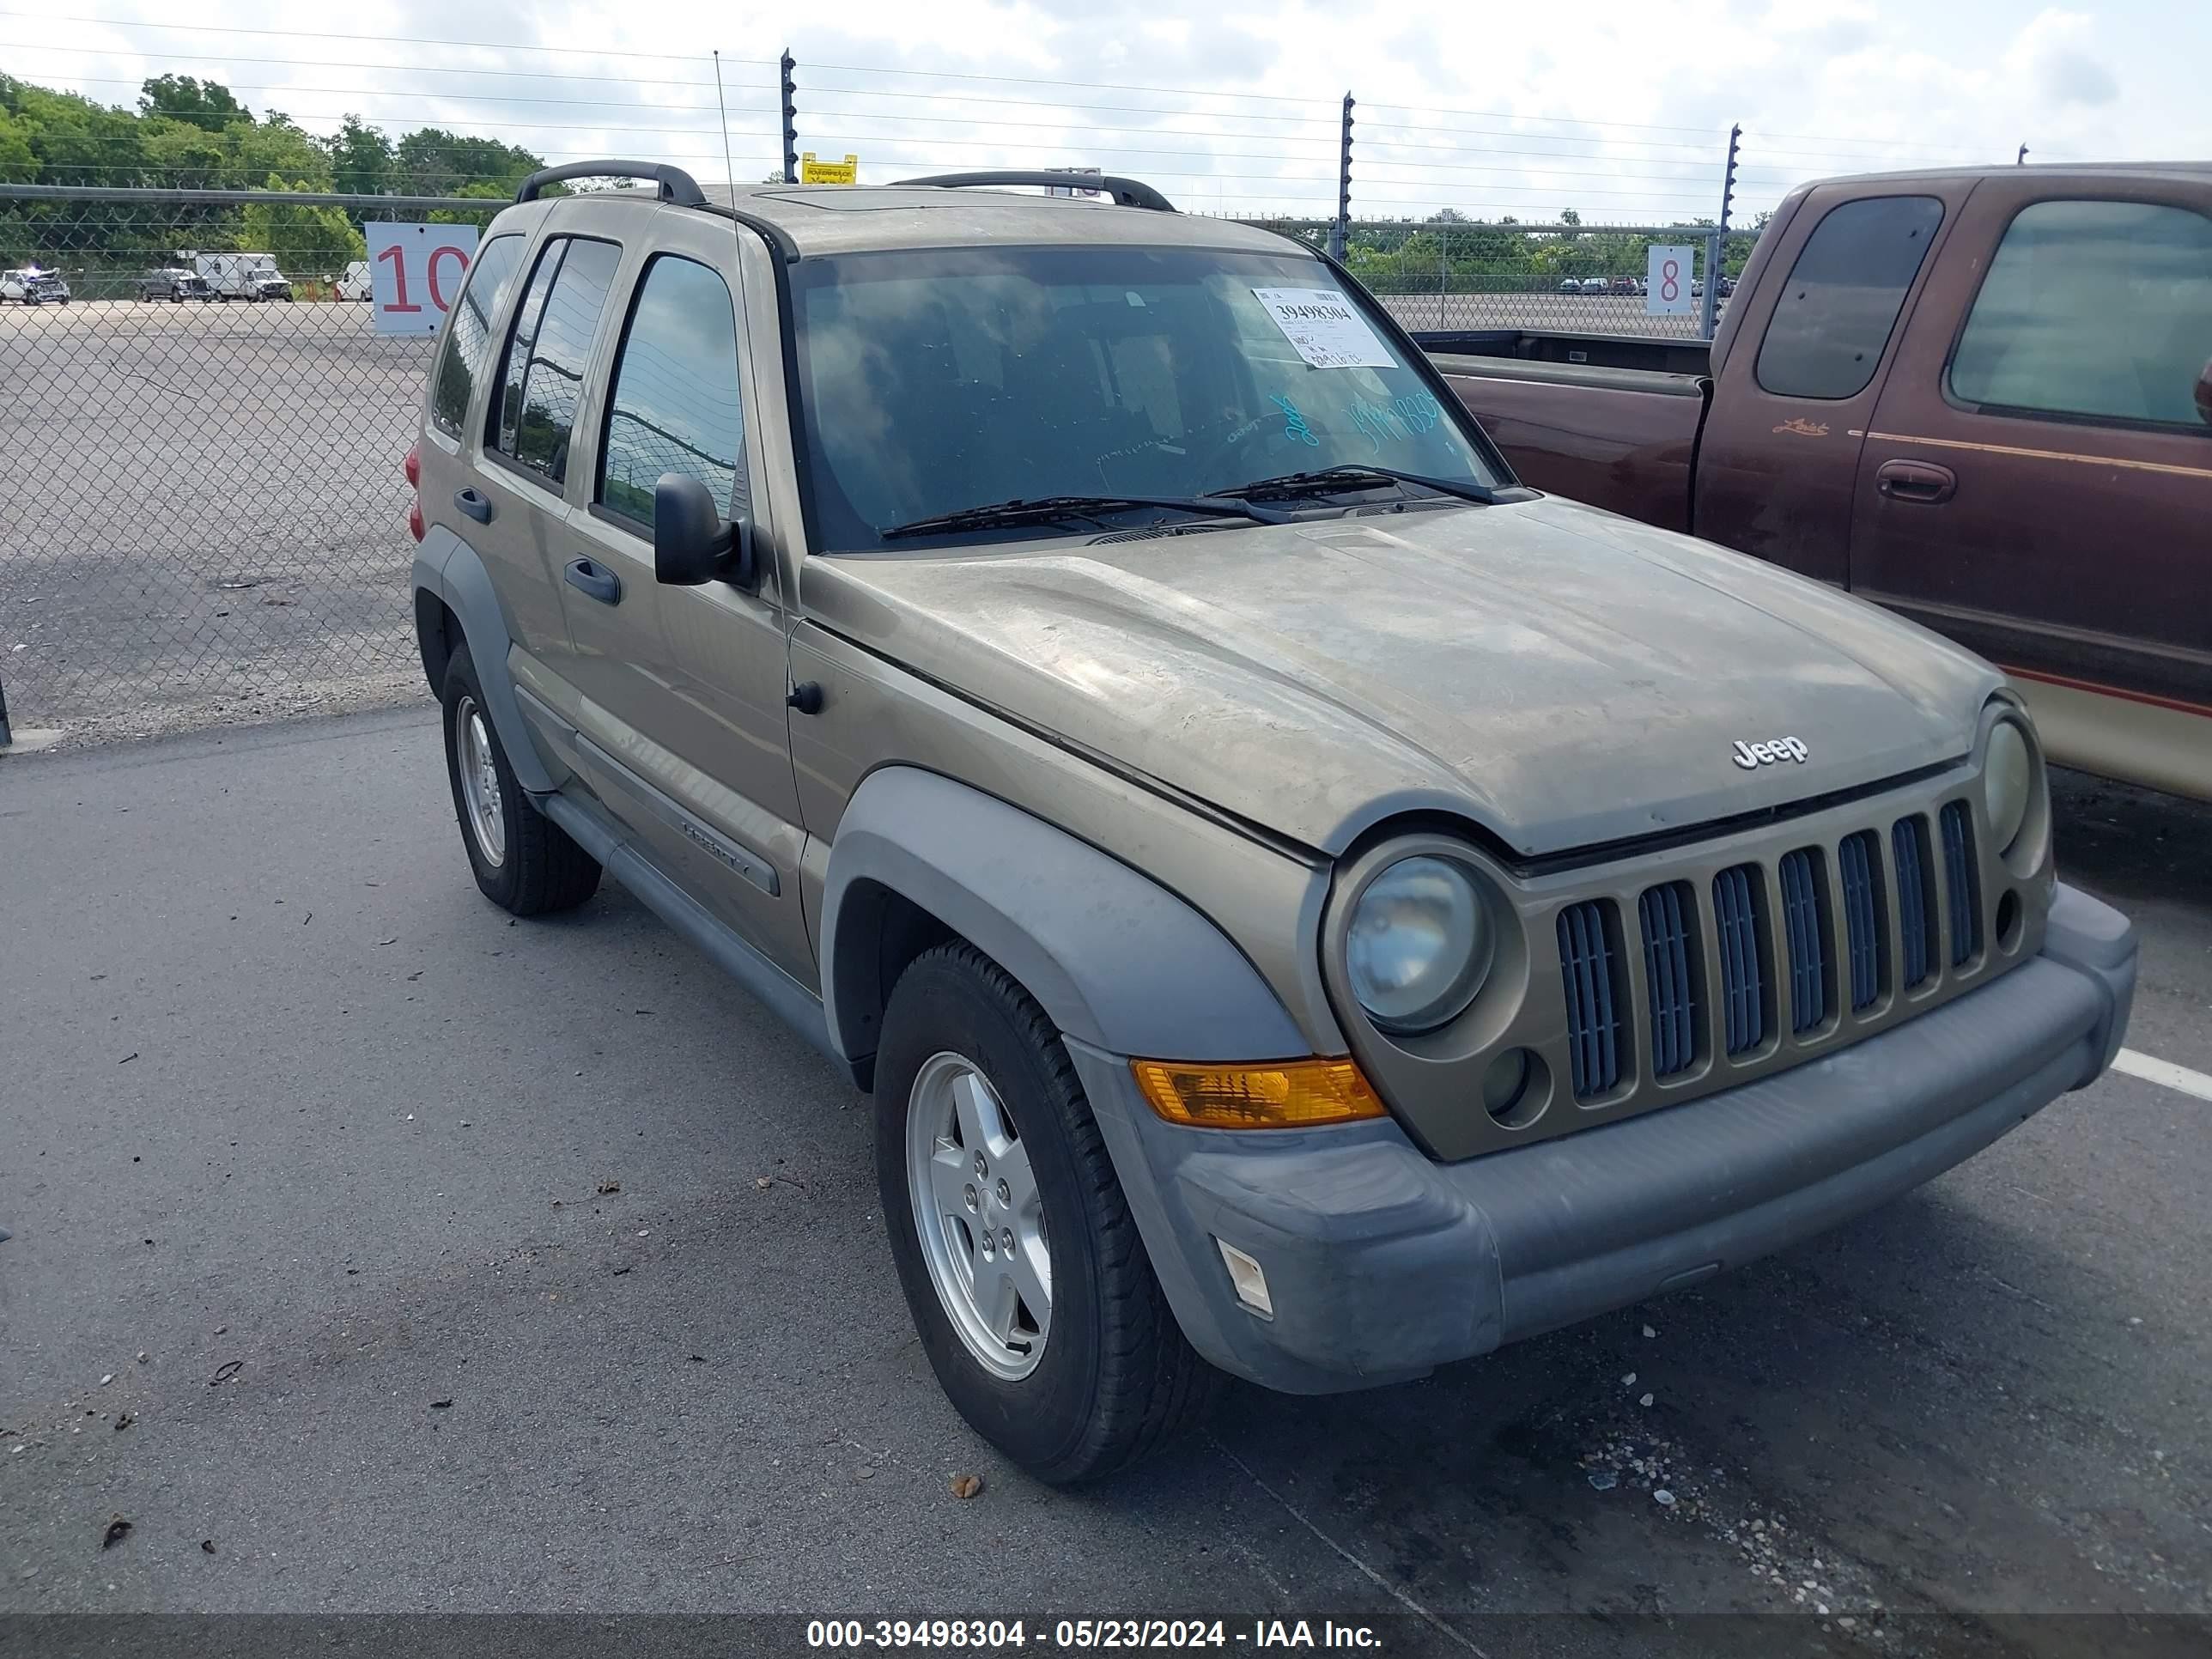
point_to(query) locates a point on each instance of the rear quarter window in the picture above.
(1833, 321)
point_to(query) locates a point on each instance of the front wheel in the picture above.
(1021, 1264)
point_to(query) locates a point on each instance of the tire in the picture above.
(534, 869)
(1109, 1379)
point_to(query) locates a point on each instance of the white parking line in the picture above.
(2165, 1071)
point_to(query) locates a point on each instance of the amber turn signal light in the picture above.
(1295, 1094)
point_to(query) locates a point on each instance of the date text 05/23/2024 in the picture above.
(986, 1634)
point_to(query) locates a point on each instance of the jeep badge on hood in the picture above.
(1753, 756)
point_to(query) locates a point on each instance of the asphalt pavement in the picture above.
(376, 1253)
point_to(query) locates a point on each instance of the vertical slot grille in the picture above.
(1916, 920)
(1586, 966)
(1743, 969)
(1855, 861)
(1800, 925)
(1664, 912)
(1960, 888)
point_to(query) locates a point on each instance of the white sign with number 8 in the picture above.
(1667, 282)
(416, 273)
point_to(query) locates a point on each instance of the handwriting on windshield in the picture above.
(1398, 420)
(1294, 423)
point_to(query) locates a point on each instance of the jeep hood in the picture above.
(1561, 676)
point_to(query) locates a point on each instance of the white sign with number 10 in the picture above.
(1667, 282)
(415, 272)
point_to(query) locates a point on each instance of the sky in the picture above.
(1617, 110)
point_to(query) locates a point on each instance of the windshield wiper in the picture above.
(1321, 480)
(1046, 508)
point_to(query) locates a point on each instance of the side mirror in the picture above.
(691, 544)
(2204, 394)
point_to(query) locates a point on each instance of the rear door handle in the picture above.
(473, 502)
(1915, 481)
(595, 581)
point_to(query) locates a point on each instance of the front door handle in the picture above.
(595, 581)
(473, 502)
(1922, 482)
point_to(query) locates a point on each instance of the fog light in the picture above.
(1245, 1274)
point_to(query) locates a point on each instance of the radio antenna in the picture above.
(729, 166)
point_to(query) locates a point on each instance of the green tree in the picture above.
(183, 98)
(361, 158)
(308, 241)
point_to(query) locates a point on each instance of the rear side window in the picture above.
(543, 380)
(676, 407)
(469, 337)
(1841, 301)
(2097, 309)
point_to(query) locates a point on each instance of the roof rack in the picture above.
(1128, 192)
(676, 184)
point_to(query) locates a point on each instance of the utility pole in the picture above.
(1341, 230)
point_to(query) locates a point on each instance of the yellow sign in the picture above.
(812, 172)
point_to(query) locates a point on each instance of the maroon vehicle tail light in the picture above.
(413, 465)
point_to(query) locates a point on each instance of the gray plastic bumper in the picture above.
(1383, 1264)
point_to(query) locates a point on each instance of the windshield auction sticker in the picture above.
(1327, 329)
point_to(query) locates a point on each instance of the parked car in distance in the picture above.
(1594, 285)
(1304, 905)
(1571, 285)
(1622, 285)
(2000, 426)
(355, 283)
(176, 284)
(28, 285)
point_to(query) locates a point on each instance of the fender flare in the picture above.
(1117, 961)
(450, 568)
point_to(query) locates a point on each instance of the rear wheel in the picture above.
(525, 863)
(1022, 1266)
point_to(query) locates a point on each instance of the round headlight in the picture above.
(1418, 948)
(2007, 776)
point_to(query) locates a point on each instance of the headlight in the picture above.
(2007, 778)
(1418, 947)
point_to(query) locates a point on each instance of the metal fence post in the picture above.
(790, 119)
(1339, 231)
(1443, 274)
(1716, 241)
(6, 736)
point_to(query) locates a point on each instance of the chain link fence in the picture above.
(204, 514)
(202, 509)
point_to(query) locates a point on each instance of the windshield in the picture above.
(936, 379)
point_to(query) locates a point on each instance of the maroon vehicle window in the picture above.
(2092, 310)
(1834, 317)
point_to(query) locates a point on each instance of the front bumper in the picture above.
(1383, 1264)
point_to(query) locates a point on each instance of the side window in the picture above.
(537, 405)
(1834, 317)
(469, 336)
(2098, 309)
(676, 405)
(515, 362)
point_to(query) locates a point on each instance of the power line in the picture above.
(380, 40)
(403, 68)
(1515, 115)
